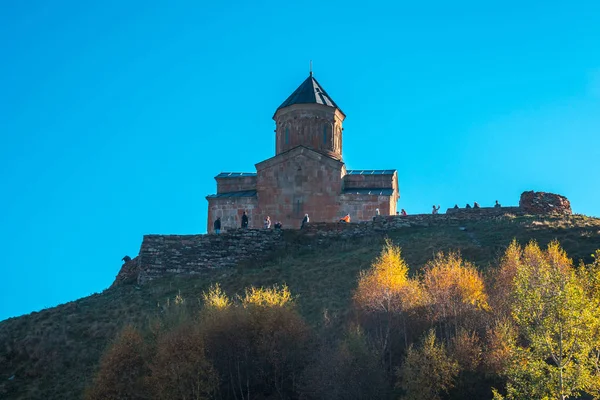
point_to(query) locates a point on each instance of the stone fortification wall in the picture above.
(161, 255)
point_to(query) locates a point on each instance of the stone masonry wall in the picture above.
(361, 207)
(236, 184)
(230, 209)
(369, 181)
(162, 255)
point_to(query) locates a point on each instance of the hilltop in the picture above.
(53, 353)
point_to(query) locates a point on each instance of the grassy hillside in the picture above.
(53, 353)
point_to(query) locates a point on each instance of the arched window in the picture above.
(287, 135)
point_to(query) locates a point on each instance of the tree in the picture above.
(427, 371)
(456, 292)
(386, 296)
(504, 276)
(180, 369)
(349, 370)
(589, 276)
(122, 369)
(257, 345)
(552, 312)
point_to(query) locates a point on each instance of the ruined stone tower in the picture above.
(307, 175)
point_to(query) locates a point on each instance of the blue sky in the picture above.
(116, 116)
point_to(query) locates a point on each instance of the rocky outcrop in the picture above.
(540, 203)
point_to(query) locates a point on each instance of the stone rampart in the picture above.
(162, 255)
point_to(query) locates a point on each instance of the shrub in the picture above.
(122, 369)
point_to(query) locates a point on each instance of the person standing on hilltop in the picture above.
(217, 225)
(377, 214)
(435, 210)
(403, 212)
(305, 221)
(268, 222)
(475, 205)
(497, 205)
(244, 220)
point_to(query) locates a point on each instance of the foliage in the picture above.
(554, 318)
(348, 371)
(215, 298)
(267, 297)
(122, 369)
(456, 293)
(258, 346)
(54, 353)
(180, 369)
(387, 297)
(427, 371)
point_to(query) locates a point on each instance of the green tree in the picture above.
(427, 371)
(554, 318)
(349, 371)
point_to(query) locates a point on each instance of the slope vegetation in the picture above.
(53, 354)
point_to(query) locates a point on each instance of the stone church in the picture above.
(307, 175)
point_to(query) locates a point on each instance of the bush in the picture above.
(122, 369)
(180, 369)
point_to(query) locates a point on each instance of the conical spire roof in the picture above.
(309, 92)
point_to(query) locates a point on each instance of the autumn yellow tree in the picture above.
(589, 276)
(256, 344)
(503, 279)
(387, 295)
(456, 292)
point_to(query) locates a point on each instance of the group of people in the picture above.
(278, 225)
(435, 210)
(476, 205)
(345, 219)
(267, 223)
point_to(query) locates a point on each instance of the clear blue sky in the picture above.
(116, 115)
